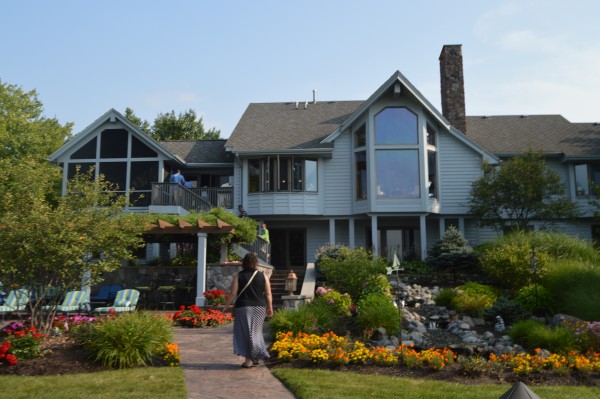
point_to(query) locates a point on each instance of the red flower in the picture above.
(11, 360)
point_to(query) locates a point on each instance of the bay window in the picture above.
(282, 174)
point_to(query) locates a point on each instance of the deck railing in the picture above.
(259, 247)
(191, 199)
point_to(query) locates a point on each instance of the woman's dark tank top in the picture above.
(254, 295)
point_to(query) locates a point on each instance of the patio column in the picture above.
(374, 232)
(201, 275)
(423, 229)
(332, 231)
(351, 233)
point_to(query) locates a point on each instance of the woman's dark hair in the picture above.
(250, 261)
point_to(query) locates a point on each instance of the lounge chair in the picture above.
(75, 301)
(125, 301)
(106, 294)
(15, 301)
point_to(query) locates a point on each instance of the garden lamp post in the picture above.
(290, 282)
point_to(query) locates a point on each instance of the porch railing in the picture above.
(194, 199)
(260, 247)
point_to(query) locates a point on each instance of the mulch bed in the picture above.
(62, 356)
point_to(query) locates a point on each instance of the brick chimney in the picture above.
(453, 86)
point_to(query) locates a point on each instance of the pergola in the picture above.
(201, 229)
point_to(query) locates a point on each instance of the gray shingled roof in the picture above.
(277, 126)
(199, 151)
(510, 134)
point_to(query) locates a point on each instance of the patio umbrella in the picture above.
(519, 391)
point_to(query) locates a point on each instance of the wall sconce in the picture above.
(290, 282)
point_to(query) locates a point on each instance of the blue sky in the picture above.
(216, 57)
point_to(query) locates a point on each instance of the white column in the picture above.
(332, 231)
(201, 279)
(351, 233)
(423, 229)
(374, 235)
(223, 252)
(442, 227)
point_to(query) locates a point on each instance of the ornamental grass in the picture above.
(332, 350)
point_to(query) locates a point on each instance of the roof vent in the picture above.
(523, 116)
(296, 104)
(305, 104)
(314, 96)
(397, 89)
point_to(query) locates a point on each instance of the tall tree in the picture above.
(133, 118)
(24, 132)
(27, 138)
(184, 126)
(519, 191)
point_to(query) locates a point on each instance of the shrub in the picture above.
(377, 284)
(471, 304)
(452, 251)
(533, 334)
(473, 298)
(351, 274)
(573, 286)
(415, 267)
(129, 340)
(445, 297)
(376, 310)
(334, 252)
(534, 298)
(338, 303)
(311, 318)
(510, 311)
(562, 246)
(509, 264)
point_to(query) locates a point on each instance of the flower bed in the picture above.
(19, 341)
(331, 349)
(195, 317)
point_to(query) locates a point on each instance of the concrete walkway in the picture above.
(212, 370)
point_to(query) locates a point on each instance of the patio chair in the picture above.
(165, 287)
(144, 284)
(125, 301)
(106, 294)
(15, 301)
(75, 301)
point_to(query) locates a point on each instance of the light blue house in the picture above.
(389, 173)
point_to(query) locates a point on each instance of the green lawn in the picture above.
(326, 384)
(140, 383)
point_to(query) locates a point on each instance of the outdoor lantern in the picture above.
(290, 282)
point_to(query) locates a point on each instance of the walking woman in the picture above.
(253, 301)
